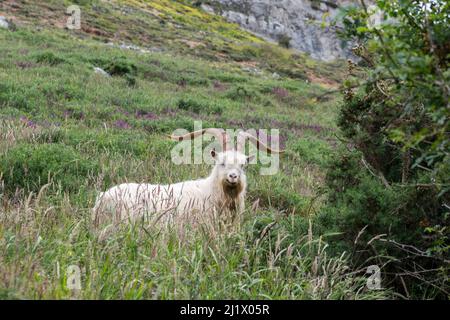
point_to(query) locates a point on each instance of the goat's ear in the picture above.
(213, 153)
(250, 158)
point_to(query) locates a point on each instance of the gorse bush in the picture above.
(120, 67)
(361, 209)
(284, 40)
(198, 106)
(359, 202)
(29, 167)
(49, 58)
(241, 93)
(390, 190)
(123, 67)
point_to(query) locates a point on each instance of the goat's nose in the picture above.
(233, 175)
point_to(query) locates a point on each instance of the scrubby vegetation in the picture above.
(284, 41)
(390, 187)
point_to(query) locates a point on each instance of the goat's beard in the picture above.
(232, 190)
(232, 193)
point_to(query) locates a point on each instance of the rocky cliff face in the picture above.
(301, 20)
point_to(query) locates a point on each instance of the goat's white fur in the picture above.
(223, 192)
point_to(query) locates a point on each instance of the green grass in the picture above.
(53, 106)
(137, 262)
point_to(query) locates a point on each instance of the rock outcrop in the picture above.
(303, 21)
(4, 23)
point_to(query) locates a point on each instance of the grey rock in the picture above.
(301, 20)
(252, 70)
(134, 47)
(207, 8)
(100, 71)
(4, 23)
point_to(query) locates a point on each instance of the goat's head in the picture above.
(230, 163)
(229, 168)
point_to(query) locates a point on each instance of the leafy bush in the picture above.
(361, 207)
(119, 67)
(31, 166)
(393, 183)
(49, 58)
(240, 93)
(284, 41)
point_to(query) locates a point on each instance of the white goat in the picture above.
(223, 191)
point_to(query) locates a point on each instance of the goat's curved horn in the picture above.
(259, 145)
(220, 134)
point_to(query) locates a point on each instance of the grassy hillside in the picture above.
(67, 132)
(171, 26)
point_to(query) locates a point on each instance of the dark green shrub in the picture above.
(395, 182)
(49, 58)
(121, 67)
(31, 166)
(357, 200)
(198, 106)
(240, 93)
(284, 41)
